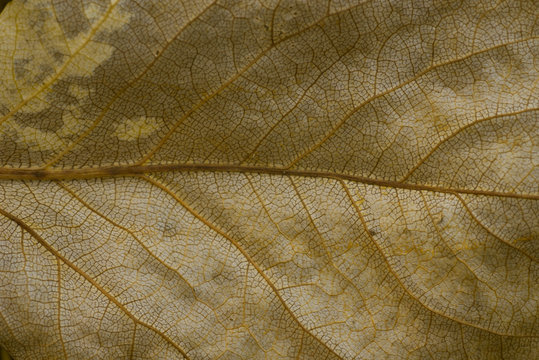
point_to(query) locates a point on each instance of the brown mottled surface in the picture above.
(273, 179)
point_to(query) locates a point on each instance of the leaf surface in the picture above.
(273, 179)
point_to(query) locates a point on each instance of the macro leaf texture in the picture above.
(269, 179)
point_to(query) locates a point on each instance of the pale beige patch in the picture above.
(39, 140)
(43, 45)
(133, 129)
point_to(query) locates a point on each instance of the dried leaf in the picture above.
(274, 179)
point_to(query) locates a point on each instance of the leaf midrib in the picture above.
(135, 170)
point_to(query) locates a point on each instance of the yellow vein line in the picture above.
(401, 85)
(107, 107)
(229, 82)
(64, 66)
(397, 278)
(135, 170)
(4, 355)
(321, 238)
(59, 289)
(241, 250)
(300, 346)
(326, 250)
(88, 278)
(467, 126)
(476, 220)
(132, 345)
(202, 102)
(295, 106)
(126, 230)
(457, 257)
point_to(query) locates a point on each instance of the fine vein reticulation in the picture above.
(269, 180)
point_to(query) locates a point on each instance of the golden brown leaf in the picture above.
(269, 179)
